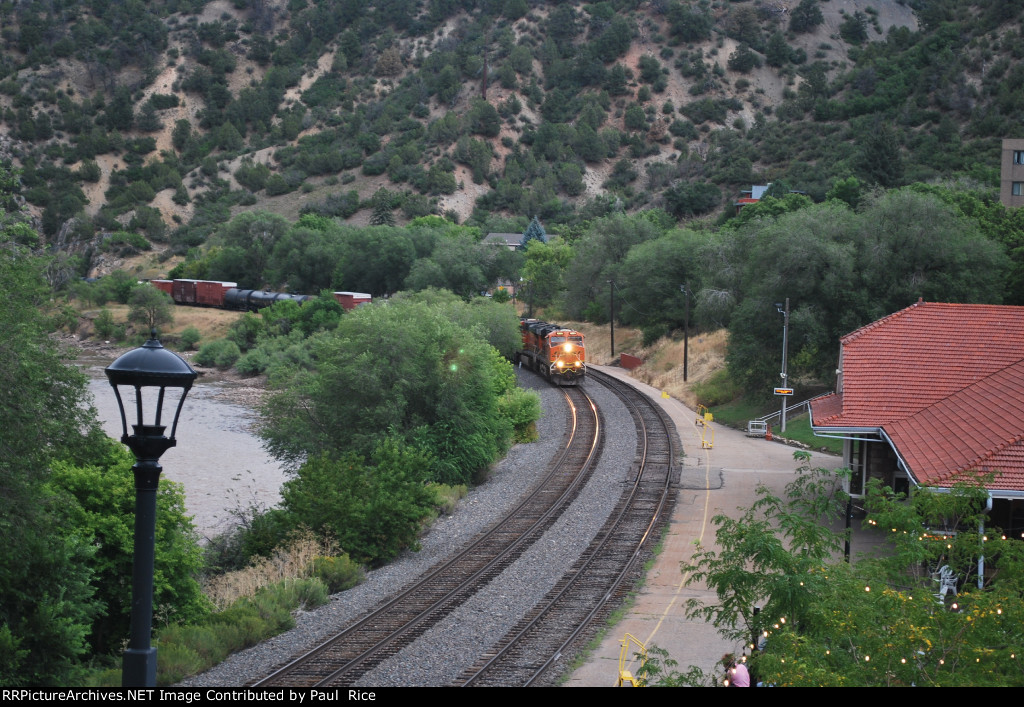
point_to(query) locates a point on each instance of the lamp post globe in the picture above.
(154, 367)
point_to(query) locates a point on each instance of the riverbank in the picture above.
(219, 458)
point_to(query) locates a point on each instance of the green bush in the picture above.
(653, 332)
(206, 642)
(717, 390)
(277, 185)
(522, 408)
(220, 353)
(252, 175)
(190, 337)
(373, 511)
(106, 327)
(338, 573)
(448, 496)
(635, 118)
(175, 663)
(290, 594)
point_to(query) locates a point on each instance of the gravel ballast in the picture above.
(445, 650)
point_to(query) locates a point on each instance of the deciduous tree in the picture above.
(149, 308)
(874, 622)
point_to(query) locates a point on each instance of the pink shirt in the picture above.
(739, 676)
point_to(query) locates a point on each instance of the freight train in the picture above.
(227, 295)
(555, 352)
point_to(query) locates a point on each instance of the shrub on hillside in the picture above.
(220, 353)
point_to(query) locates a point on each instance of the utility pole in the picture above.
(686, 330)
(785, 349)
(612, 318)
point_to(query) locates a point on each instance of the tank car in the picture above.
(255, 300)
(557, 353)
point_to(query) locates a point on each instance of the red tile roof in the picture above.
(945, 382)
(909, 360)
(979, 428)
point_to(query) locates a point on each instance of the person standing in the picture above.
(736, 673)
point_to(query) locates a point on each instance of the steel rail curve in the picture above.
(586, 590)
(372, 639)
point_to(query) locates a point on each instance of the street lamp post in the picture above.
(785, 349)
(150, 366)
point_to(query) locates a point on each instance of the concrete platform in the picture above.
(714, 481)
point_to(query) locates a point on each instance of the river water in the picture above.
(219, 460)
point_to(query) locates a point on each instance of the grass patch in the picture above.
(448, 497)
(738, 412)
(799, 429)
(717, 390)
(593, 644)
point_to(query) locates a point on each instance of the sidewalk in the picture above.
(713, 481)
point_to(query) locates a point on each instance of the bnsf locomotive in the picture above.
(227, 295)
(553, 351)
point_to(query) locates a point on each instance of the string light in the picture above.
(867, 659)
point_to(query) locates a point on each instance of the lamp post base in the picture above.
(138, 667)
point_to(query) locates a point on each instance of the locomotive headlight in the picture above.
(560, 364)
(567, 348)
(578, 364)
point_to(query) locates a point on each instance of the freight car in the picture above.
(227, 295)
(555, 352)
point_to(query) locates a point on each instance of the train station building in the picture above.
(931, 396)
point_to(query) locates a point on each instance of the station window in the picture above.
(1018, 189)
(1018, 156)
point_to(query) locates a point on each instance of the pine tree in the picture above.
(534, 232)
(382, 206)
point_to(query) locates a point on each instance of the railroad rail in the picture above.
(583, 597)
(355, 651)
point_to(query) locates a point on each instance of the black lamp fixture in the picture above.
(149, 366)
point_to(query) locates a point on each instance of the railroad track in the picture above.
(382, 633)
(584, 596)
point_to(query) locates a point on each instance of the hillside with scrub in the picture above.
(164, 119)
